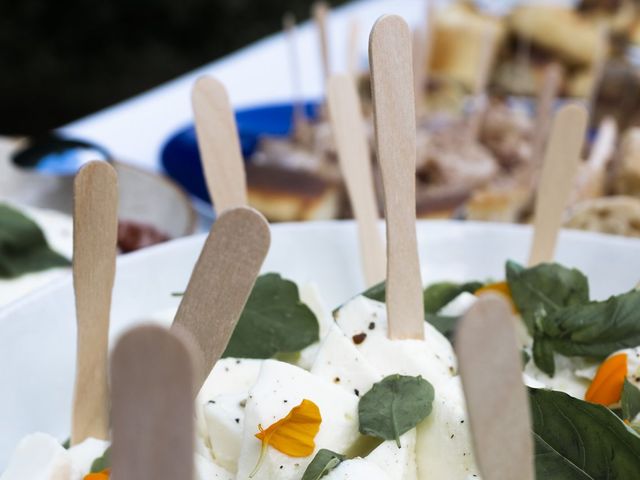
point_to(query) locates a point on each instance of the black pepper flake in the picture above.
(237, 420)
(281, 467)
(336, 380)
(359, 338)
(213, 402)
(372, 325)
(357, 392)
(452, 435)
(286, 401)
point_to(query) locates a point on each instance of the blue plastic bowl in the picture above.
(180, 157)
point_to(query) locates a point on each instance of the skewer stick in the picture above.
(355, 161)
(153, 429)
(222, 281)
(490, 369)
(320, 10)
(556, 181)
(301, 127)
(395, 126)
(352, 48)
(95, 231)
(219, 144)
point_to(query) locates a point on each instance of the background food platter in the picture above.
(37, 333)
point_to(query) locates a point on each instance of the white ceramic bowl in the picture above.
(37, 333)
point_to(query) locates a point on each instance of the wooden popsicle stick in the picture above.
(152, 406)
(95, 233)
(221, 282)
(301, 128)
(483, 72)
(395, 127)
(490, 369)
(556, 180)
(219, 144)
(598, 67)
(347, 125)
(320, 10)
(352, 48)
(419, 69)
(552, 80)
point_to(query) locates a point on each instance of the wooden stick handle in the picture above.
(395, 127)
(490, 369)
(355, 161)
(320, 11)
(153, 409)
(219, 144)
(95, 230)
(222, 281)
(556, 181)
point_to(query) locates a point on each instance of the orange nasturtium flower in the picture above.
(498, 287)
(292, 435)
(606, 387)
(103, 475)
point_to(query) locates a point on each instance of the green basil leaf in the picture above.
(544, 289)
(274, 320)
(579, 440)
(595, 329)
(324, 461)
(23, 246)
(446, 325)
(438, 295)
(630, 401)
(543, 355)
(102, 463)
(377, 292)
(66, 444)
(394, 406)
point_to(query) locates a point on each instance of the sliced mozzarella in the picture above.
(340, 362)
(224, 416)
(565, 378)
(40, 457)
(357, 469)
(205, 469)
(366, 320)
(281, 387)
(443, 444)
(83, 454)
(459, 305)
(397, 463)
(310, 295)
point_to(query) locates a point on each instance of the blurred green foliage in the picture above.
(63, 59)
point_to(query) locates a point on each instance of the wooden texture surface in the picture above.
(95, 229)
(219, 144)
(347, 125)
(153, 409)
(222, 281)
(395, 127)
(557, 178)
(490, 368)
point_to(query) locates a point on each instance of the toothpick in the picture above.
(354, 156)
(497, 403)
(153, 409)
(95, 231)
(395, 126)
(221, 282)
(353, 66)
(320, 10)
(219, 144)
(556, 181)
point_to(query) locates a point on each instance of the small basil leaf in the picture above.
(23, 246)
(324, 461)
(543, 355)
(630, 401)
(544, 289)
(274, 320)
(579, 440)
(595, 329)
(394, 406)
(446, 325)
(102, 463)
(438, 295)
(377, 292)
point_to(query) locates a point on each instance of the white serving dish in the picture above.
(37, 333)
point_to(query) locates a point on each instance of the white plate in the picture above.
(37, 333)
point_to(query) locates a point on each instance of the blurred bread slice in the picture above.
(560, 30)
(285, 195)
(619, 215)
(459, 35)
(503, 201)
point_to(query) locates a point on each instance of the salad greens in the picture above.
(324, 461)
(23, 246)
(394, 406)
(102, 463)
(274, 320)
(630, 401)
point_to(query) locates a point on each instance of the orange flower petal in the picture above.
(606, 387)
(293, 435)
(103, 475)
(498, 287)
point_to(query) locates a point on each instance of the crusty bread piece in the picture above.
(560, 30)
(500, 202)
(619, 215)
(459, 35)
(284, 195)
